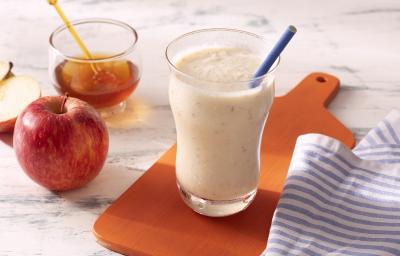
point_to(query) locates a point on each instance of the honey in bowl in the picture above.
(101, 84)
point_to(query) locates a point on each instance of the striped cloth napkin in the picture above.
(341, 202)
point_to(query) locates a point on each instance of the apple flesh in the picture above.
(16, 93)
(60, 146)
(5, 69)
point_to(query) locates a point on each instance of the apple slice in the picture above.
(15, 94)
(5, 69)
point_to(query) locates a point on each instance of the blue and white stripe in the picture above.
(341, 202)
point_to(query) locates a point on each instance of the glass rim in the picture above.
(254, 79)
(78, 22)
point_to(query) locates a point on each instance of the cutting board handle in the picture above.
(316, 88)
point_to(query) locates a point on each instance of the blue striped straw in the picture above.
(273, 55)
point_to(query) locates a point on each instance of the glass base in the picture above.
(113, 110)
(216, 208)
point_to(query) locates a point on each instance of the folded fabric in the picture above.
(341, 202)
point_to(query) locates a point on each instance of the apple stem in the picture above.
(66, 95)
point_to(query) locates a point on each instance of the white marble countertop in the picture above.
(358, 41)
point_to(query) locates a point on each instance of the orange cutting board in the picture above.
(151, 219)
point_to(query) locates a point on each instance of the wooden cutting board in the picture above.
(151, 219)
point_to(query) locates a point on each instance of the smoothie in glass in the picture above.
(219, 121)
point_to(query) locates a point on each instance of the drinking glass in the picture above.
(219, 124)
(110, 74)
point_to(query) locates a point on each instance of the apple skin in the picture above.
(7, 126)
(60, 151)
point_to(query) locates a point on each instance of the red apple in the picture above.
(60, 142)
